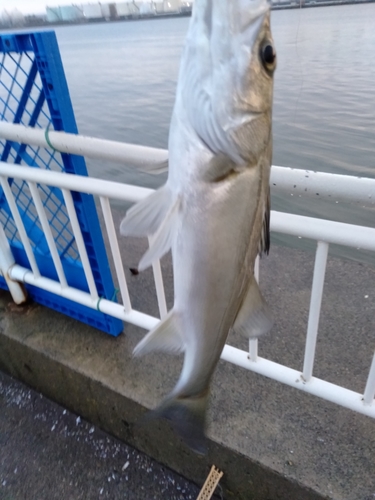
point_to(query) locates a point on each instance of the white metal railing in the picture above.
(329, 186)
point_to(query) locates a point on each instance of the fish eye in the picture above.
(268, 56)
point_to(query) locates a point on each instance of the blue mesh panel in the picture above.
(34, 92)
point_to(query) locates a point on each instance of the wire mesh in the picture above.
(34, 93)
(22, 101)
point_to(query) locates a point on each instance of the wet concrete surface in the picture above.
(49, 453)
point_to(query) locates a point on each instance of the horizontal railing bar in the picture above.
(295, 225)
(74, 182)
(23, 275)
(280, 373)
(339, 233)
(297, 182)
(289, 376)
(322, 185)
(90, 147)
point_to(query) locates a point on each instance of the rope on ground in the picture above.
(210, 484)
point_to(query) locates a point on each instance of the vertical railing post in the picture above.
(159, 285)
(315, 305)
(253, 343)
(17, 291)
(369, 395)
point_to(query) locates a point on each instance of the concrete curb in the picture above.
(267, 438)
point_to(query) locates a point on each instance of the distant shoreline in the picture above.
(36, 22)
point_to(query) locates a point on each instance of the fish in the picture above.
(213, 212)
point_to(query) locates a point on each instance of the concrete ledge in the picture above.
(271, 441)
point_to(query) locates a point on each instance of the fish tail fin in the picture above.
(155, 215)
(187, 417)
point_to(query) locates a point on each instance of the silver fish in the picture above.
(214, 209)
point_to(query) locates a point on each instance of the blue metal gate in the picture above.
(34, 92)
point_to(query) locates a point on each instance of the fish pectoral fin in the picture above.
(254, 317)
(219, 169)
(155, 215)
(165, 336)
(145, 217)
(163, 238)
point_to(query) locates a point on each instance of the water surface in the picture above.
(122, 79)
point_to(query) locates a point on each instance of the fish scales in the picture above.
(213, 211)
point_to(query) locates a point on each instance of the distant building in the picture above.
(172, 5)
(92, 11)
(12, 18)
(146, 8)
(65, 13)
(127, 9)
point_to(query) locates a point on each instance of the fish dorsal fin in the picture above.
(155, 215)
(164, 337)
(265, 239)
(254, 317)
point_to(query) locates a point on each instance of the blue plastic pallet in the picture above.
(34, 92)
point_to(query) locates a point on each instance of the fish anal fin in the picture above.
(164, 337)
(254, 317)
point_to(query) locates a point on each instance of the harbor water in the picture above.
(122, 79)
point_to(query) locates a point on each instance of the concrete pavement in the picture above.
(49, 453)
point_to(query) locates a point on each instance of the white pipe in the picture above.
(80, 243)
(105, 306)
(314, 311)
(253, 349)
(317, 387)
(84, 146)
(17, 291)
(108, 219)
(295, 225)
(360, 237)
(48, 233)
(295, 182)
(74, 182)
(19, 224)
(321, 185)
(257, 268)
(369, 395)
(159, 285)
